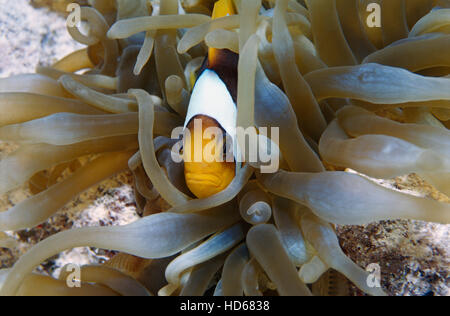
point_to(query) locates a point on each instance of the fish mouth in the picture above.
(205, 179)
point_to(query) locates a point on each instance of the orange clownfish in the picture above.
(213, 104)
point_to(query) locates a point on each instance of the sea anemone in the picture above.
(351, 104)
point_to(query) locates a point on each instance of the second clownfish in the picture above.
(213, 104)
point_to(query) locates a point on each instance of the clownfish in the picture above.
(213, 104)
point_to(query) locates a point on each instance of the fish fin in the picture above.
(222, 8)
